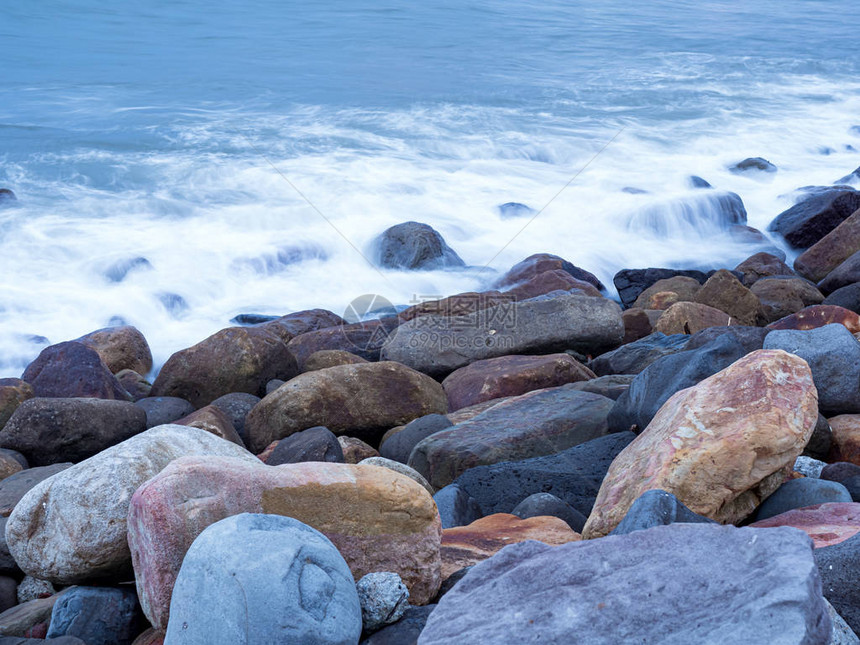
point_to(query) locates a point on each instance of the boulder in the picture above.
(752, 164)
(236, 359)
(800, 493)
(392, 523)
(494, 378)
(831, 250)
(161, 410)
(31, 588)
(845, 438)
(684, 289)
(72, 527)
(456, 507)
(135, 384)
(355, 450)
(546, 504)
(120, 348)
(652, 387)
(838, 565)
(513, 209)
(13, 392)
(263, 579)
(632, 282)
(763, 265)
(236, 406)
(720, 446)
(398, 445)
(363, 397)
(833, 355)
(724, 291)
(691, 317)
(573, 475)
(438, 345)
(50, 431)
(363, 339)
(313, 444)
(383, 598)
(301, 322)
(781, 297)
(464, 546)
(818, 316)
(460, 304)
(7, 197)
(72, 369)
(811, 219)
(846, 297)
(652, 586)
(634, 357)
(657, 508)
(611, 386)
(330, 358)
(96, 615)
(550, 281)
(414, 246)
(826, 524)
(843, 275)
(212, 419)
(540, 263)
(538, 423)
(14, 487)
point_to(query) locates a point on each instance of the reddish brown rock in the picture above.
(817, 316)
(845, 438)
(267, 452)
(826, 524)
(365, 397)
(720, 446)
(831, 250)
(549, 281)
(505, 376)
(762, 265)
(13, 392)
(301, 322)
(464, 546)
(355, 450)
(237, 359)
(72, 369)
(364, 339)
(120, 348)
(330, 358)
(782, 297)
(464, 414)
(133, 383)
(212, 420)
(639, 323)
(539, 263)
(691, 317)
(391, 524)
(724, 291)
(684, 288)
(460, 304)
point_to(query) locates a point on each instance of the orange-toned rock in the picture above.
(725, 292)
(826, 524)
(691, 317)
(464, 546)
(684, 288)
(720, 446)
(831, 250)
(214, 420)
(817, 316)
(845, 443)
(355, 450)
(378, 519)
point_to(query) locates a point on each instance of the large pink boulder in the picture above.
(827, 524)
(720, 446)
(378, 519)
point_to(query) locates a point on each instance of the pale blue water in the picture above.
(145, 129)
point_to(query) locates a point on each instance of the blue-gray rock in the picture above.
(698, 182)
(673, 585)
(800, 493)
(812, 218)
(834, 358)
(656, 383)
(839, 471)
(541, 504)
(634, 357)
(611, 386)
(236, 406)
(750, 338)
(702, 210)
(263, 579)
(118, 271)
(7, 197)
(405, 631)
(657, 508)
(456, 507)
(412, 245)
(399, 446)
(809, 467)
(383, 598)
(97, 615)
(161, 410)
(314, 444)
(838, 565)
(515, 209)
(844, 275)
(752, 163)
(573, 475)
(847, 297)
(850, 178)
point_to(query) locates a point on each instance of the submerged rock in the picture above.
(413, 245)
(752, 164)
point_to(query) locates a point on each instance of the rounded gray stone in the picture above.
(383, 598)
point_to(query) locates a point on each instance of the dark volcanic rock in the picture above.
(800, 493)
(313, 444)
(656, 508)
(811, 219)
(838, 565)
(72, 369)
(405, 631)
(542, 504)
(164, 409)
(847, 297)
(636, 356)
(49, 431)
(412, 245)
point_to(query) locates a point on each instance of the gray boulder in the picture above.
(812, 218)
(673, 585)
(383, 598)
(161, 410)
(399, 445)
(96, 615)
(543, 504)
(263, 579)
(834, 358)
(656, 508)
(456, 507)
(634, 357)
(314, 444)
(412, 245)
(800, 493)
(847, 297)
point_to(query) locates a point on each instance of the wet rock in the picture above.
(811, 219)
(847, 297)
(364, 397)
(456, 507)
(383, 598)
(800, 493)
(13, 392)
(781, 297)
(412, 245)
(634, 357)
(237, 359)
(831, 250)
(72, 369)
(363, 339)
(697, 182)
(330, 358)
(719, 447)
(272, 385)
(14, 487)
(161, 410)
(546, 504)
(504, 376)
(120, 348)
(691, 317)
(833, 355)
(754, 586)
(534, 424)
(214, 421)
(540, 263)
(96, 615)
(549, 282)
(49, 431)
(119, 270)
(752, 164)
(514, 209)
(709, 210)
(630, 283)
(135, 384)
(256, 578)
(236, 406)
(762, 265)
(313, 444)
(7, 197)
(657, 508)
(818, 316)
(826, 524)
(398, 446)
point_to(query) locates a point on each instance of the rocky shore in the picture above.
(533, 463)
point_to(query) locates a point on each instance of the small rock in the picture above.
(809, 467)
(763, 265)
(236, 406)
(313, 444)
(800, 493)
(405, 631)
(456, 507)
(383, 598)
(135, 384)
(691, 317)
(656, 508)
(214, 421)
(724, 291)
(514, 209)
(752, 164)
(412, 245)
(543, 504)
(31, 588)
(398, 445)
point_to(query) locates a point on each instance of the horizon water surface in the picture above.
(162, 130)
